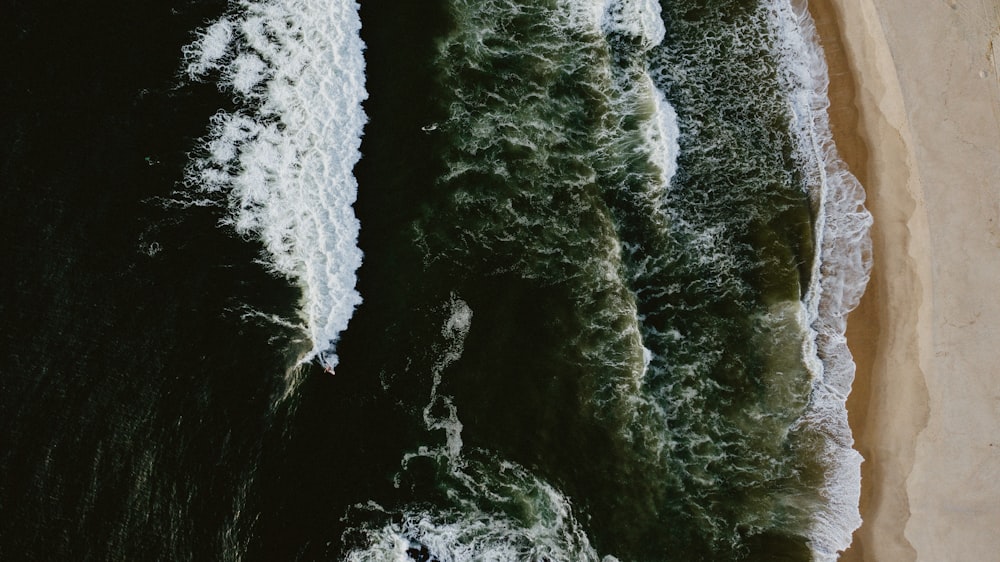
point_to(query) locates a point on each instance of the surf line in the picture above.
(840, 272)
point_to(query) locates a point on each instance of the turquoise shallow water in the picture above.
(579, 267)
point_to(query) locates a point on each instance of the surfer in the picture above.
(327, 366)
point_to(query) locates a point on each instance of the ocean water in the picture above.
(409, 281)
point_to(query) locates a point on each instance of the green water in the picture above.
(623, 214)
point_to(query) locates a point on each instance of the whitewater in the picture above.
(282, 160)
(841, 272)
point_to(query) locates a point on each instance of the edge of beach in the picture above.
(915, 111)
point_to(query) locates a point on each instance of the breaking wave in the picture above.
(283, 160)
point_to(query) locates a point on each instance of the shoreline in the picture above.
(887, 407)
(864, 322)
(915, 112)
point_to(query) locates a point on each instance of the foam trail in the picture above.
(840, 274)
(454, 332)
(484, 492)
(283, 161)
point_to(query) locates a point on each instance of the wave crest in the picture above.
(283, 160)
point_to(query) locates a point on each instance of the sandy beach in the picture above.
(915, 106)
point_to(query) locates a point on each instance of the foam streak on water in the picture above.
(496, 509)
(283, 160)
(840, 274)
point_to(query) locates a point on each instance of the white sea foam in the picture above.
(634, 88)
(662, 134)
(483, 492)
(635, 18)
(212, 45)
(545, 530)
(455, 330)
(840, 273)
(284, 159)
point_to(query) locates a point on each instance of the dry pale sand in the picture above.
(916, 112)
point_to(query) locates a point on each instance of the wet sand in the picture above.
(915, 105)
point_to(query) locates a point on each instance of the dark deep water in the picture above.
(587, 249)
